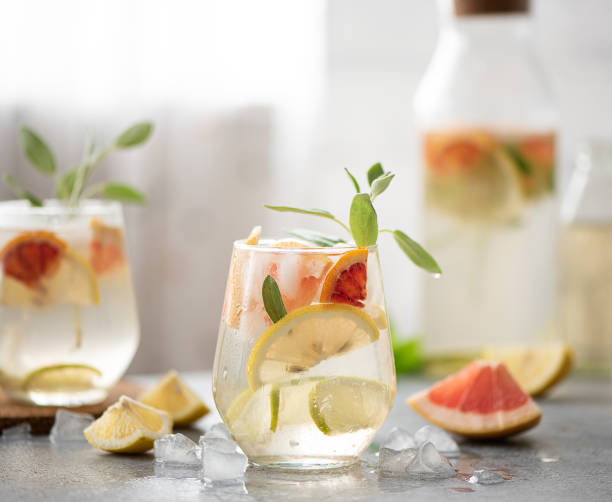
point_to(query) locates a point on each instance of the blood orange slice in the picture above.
(481, 400)
(39, 269)
(346, 281)
(31, 256)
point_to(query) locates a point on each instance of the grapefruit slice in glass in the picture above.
(346, 281)
(39, 269)
(482, 401)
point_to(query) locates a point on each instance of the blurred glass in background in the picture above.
(586, 267)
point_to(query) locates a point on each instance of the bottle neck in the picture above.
(486, 33)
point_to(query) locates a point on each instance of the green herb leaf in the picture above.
(519, 160)
(317, 238)
(65, 184)
(355, 184)
(363, 220)
(123, 193)
(272, 299)
(376, 171)
(314, 212)
(380, 184)
(134, 135)
(416, 253)
(21, 192)
(37, 151)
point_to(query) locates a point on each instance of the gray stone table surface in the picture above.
(567, 457)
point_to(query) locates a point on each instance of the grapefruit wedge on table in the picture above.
(482, 401)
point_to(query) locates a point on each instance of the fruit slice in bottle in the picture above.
(346, 281)
(481, 400)
(61, 378)
(128, 427)
(470, 176)
(536, 368)
(340, 405)
(39, 269)
(305, 337)
(173, 396)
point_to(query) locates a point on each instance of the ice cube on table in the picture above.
(391, 461)
(399, 439)
(177, 449)
(17, 432)
(222, 460)
(69, 426)
(431, 463)
(440, 439)
(484, 477)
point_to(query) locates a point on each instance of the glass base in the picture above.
(303, 463)
(65, 398)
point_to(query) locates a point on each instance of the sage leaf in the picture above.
(36, 151)
(65, 184)
(363, 220)
(416, 253)
(272, 299)
(123, 193)
(355, 184)
(316, 238)
(380, 184)
(21, 192)
(315, 212)
(134, 135)
(376, 171)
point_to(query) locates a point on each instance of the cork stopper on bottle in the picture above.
(475, 7)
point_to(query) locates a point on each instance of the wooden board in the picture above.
(41, 418)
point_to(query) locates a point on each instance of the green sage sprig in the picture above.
(71, 185)
(363, 221)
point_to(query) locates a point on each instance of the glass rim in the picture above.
(264, 247)
(54, 207)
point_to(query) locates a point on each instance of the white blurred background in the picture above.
(254, 102)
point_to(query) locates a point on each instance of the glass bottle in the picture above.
(586, 259)
(487, 123)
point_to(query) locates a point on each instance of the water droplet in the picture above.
(224, 373)
(550, 459)
(436, 276)
(294, 443)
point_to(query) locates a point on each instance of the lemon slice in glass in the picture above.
(340, 405)
(128, 427)
(61, 378)
(304, 338)
(172, 395)
(253, 416)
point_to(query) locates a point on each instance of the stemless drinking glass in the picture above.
(310, 390)
(68, 319)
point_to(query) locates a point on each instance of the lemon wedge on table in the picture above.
(128, 427)
(536, 368)
(172, 395)
(304, 338)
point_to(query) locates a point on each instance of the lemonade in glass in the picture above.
(68, 319)
(311, 389)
